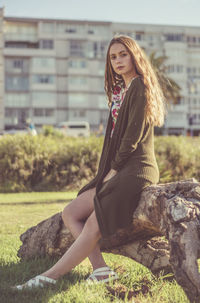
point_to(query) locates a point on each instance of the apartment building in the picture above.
(1, 72)
(54, 70)
(181, 44)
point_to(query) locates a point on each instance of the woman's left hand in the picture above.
(110, 174)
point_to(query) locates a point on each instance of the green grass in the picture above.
(20, 211)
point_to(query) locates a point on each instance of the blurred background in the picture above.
(52, 60)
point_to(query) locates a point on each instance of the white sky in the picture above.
(172, 12)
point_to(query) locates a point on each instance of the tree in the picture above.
(171, 89)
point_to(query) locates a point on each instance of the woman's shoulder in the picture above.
(137, 86)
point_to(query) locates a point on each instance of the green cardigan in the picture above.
(130, 151)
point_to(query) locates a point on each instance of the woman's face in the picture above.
(121, 60)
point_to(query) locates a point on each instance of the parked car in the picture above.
(74, 128)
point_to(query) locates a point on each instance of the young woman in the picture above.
(127, 164)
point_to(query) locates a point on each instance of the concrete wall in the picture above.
(1, 72)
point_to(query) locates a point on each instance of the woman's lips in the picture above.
(120, 67)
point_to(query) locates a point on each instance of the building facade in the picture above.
(54, 70)
(1, 72)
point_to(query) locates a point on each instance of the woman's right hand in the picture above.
(110, 174)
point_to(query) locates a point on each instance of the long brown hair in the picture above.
(155, 106)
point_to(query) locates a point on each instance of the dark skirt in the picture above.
(116, 201)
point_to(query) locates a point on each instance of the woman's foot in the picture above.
(38, 281)
(102, 275)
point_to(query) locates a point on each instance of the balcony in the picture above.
(21, 37)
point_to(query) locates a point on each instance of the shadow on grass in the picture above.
(34, 203)
(14, 274)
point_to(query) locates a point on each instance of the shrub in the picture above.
(51, 162)
(46, 163)
(178, 157)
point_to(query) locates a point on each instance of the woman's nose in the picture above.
(118, 60)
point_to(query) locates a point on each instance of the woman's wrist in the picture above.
(110, 174)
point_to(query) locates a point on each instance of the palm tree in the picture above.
(171, 89)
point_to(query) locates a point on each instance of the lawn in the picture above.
(20, 211)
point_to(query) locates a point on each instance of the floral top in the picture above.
(118, 95)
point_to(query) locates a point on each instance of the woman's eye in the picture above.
(124, 55)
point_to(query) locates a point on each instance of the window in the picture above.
(79, 113)
(179, 68)
(18, 83)
(96, 49)
(103, 104)
(48, 27)
(24, 32)
(139, 36)
(78, 80)
(97, 30)
(175, 68)
(46, 44)
(77, 48)
(44, 79)
(83, 64)
(193, 40)
(103, 49)
(17, 100)
(42, 99)
(20, 44)
(174, 37)
(194, 101)
(18, 64)
(49, 112)
(170, 68)
(77, 64)
(43, 112)
(17, 116)
(8, 112)
(38, 112)
(20, 28)
(78, 100)
(68, 28)
(82, 113)
(44, 62)
(192, 87)
(101, 69)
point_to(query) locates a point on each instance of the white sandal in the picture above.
(102, 271)
(38, 281)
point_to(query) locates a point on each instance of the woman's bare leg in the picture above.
(74, 217)
(80, 249)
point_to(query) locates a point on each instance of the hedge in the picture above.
(52, 163)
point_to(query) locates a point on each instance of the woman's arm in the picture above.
(134, 130)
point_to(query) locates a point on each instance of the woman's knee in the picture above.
(67, 213)
(80, 208)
